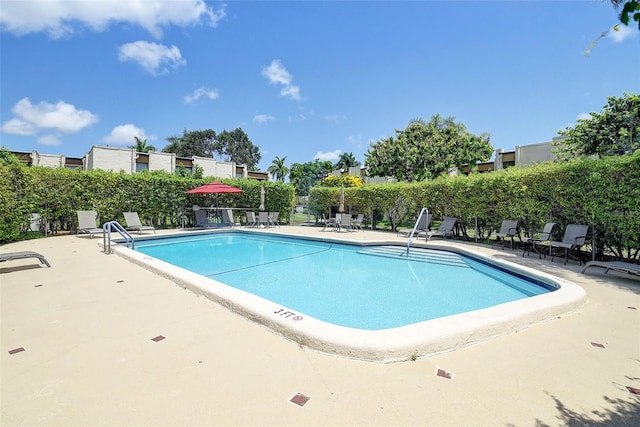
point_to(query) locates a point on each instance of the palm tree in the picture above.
(278, 169)
(346, 161)
(141, 146)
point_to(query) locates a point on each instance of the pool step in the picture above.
(416, 254)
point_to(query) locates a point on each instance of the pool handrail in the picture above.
(423, 211)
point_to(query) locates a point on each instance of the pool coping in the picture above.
(408, 342)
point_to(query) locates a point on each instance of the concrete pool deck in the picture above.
(106, 342)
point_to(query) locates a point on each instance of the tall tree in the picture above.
(235, 146)
(192, 143)
(278, 169)
(614, 130)
(304, 175)
(423, 151)
(141, 145)
(346, 161)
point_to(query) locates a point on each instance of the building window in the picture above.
(142, 167)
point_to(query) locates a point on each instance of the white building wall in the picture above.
(527, 155)
(47, 160)
(225, 170)
(162, 161)
(207, 164)
(112, 159)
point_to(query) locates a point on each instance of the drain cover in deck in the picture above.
(300, 399)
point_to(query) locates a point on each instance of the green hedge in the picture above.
(603, 193)
(158, 197)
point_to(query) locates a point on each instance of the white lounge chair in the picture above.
(10, 256)
(357, 223)
(273, 219)
(134, 224)
(619, 266)
(87, 223)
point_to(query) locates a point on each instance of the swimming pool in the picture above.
(368, 302)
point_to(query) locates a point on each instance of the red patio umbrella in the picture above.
(214, 187)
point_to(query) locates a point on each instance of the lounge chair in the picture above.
(10, 256)
(619, 266)
(134, 224)
(252, 221)
(87, 223)
(423, 227)
(227, 217)
(202, 219)
(444, 230)
(357, 223)
(574, 237)
(545, 235)
(509, 228)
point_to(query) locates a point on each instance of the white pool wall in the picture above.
(389, 345)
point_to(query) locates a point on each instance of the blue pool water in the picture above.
(359, 287)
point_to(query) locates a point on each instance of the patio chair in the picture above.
(508, 229)
(423, 227)
(263, 219)
(574, 237)
(252, 221)
(202, 219)
(344, 223)
(444, 230)
(544, 236)
(273, 219)
(87, 223)
(328, 222)
(10, 256)
(357, 223)
(134, 224)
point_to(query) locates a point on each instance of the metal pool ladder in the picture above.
(107, 227)
(423, 211)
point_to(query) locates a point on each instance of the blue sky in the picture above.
(303, 79)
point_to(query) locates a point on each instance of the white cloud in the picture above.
(277, 74)
(49, 140)
(583, 116)
(329, 155)
(335, 118)
(621, 32)
(60, 117)
(124, 135)
(62, 18)
(262, 118)
(212, 94)
(154, 58)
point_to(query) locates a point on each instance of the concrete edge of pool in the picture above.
(390, 345)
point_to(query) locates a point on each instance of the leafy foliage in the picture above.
(602, 193)
(192, 143)
(141, 145)
(427, 150)
(158, 197)
(303, 176)
(235, 146)
(339, 181)
(278, 169)
(346, 161)
(615, 130)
